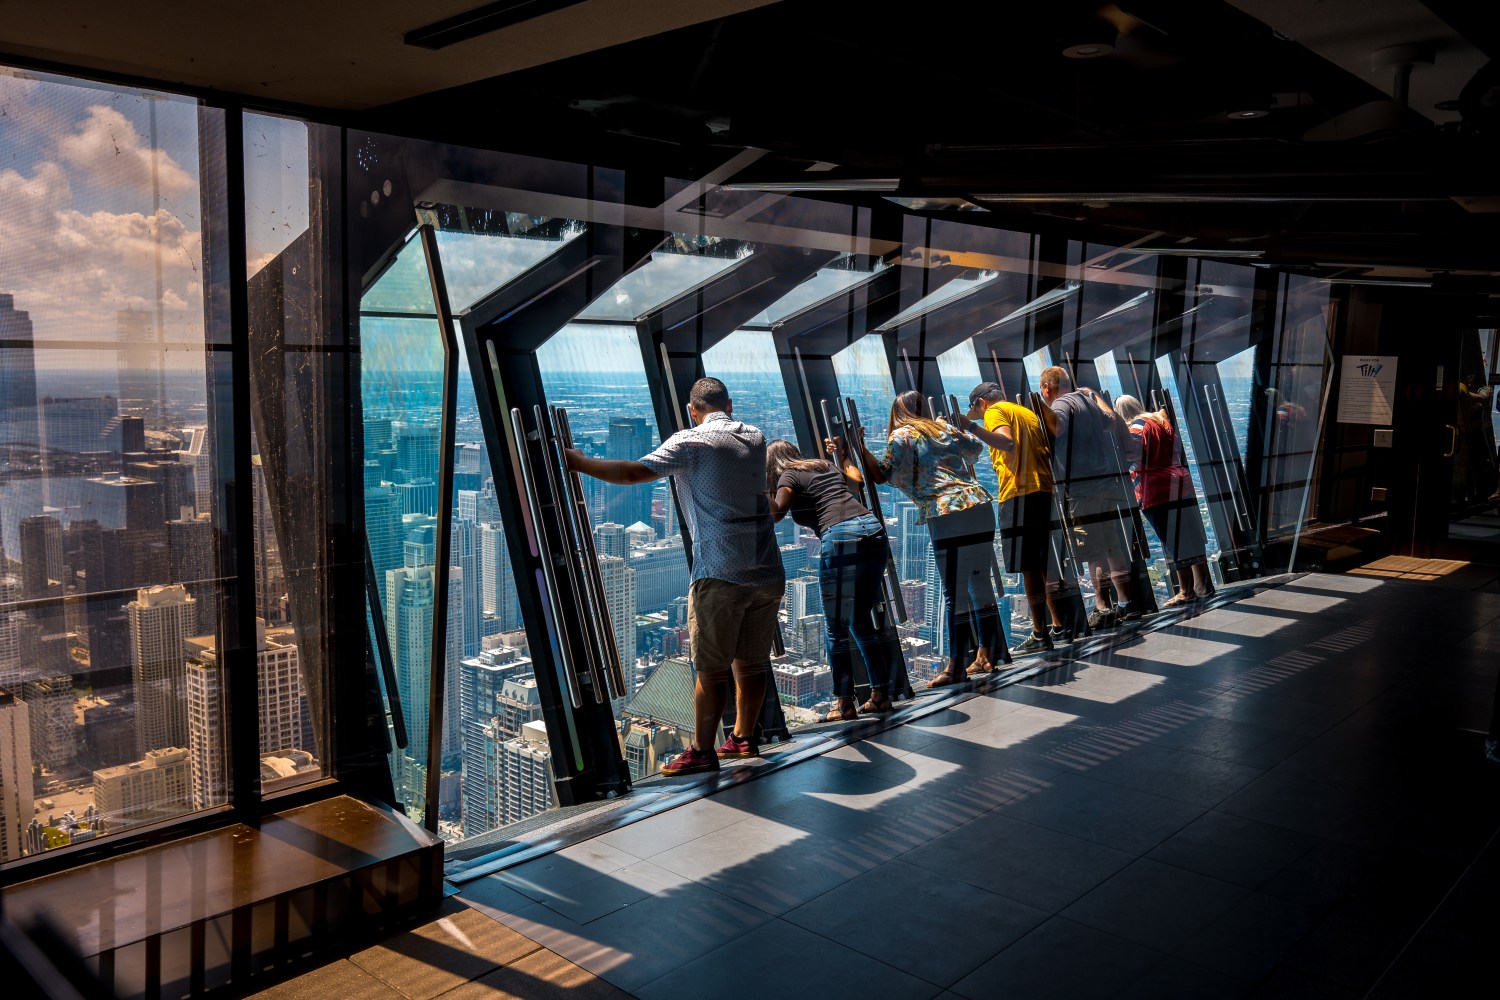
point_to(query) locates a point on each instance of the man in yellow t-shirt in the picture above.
(1018, 448)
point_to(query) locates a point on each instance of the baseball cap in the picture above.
(982, 390)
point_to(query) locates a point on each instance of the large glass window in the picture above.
(113, 704)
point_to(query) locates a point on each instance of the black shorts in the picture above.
(1025, 528)
(1101, 529)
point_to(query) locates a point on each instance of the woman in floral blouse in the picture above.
(930, 462)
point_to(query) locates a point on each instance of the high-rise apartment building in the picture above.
(629, 439)
(270, 573)
(610, 539)
(915, 544)
(619, 597)
(18, 401)
(197, 454)
(161, 620)
(526, 774)
(193, 559)
(482, 679)
(519, 703)
(156, 787)
(54, 735)
(409, 603)
(11, 667)
(16, 803)
(283, 709)
(804, 597)
(498, 586)
(464, 554)
(208, 755)
(661, 574)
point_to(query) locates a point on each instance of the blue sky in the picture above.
(82, 231)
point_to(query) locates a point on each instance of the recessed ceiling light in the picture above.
(1248, 113)
(1088, 50)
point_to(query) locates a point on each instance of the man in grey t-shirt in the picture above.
(718, 467)
(1091, 448)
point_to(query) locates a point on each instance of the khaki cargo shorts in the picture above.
(731, 621)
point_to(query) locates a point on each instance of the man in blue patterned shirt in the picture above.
(718, 467)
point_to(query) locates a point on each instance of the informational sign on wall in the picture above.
(1367, 389)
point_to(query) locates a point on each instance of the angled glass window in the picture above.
(666, 275)
(828, 281)
(401, 363)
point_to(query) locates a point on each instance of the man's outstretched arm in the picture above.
(621, 472)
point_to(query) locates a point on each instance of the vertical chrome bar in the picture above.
(544, 547)
(577, 540)
(593, 580)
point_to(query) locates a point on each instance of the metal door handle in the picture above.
(1452, 441)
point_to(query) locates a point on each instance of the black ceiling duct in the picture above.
(481, 21)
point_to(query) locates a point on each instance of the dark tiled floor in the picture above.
(1279, 798)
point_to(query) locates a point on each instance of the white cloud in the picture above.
(73, 270)
(107, 147)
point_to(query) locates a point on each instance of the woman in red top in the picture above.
(1165, 492)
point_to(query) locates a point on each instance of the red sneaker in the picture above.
(691, 761)
(738, 746)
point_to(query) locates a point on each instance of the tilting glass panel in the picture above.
(1300, 377)
(401, 363)
(596, 372)
(1237, 376)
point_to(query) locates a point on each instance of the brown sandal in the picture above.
(839, 715)
(944, 679)
(878, 704)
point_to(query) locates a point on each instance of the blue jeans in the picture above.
(853, 563)
(963, 544)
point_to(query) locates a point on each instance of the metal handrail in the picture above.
(544, 548)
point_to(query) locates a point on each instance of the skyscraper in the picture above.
(498, 594)
(804, 597)
(191, 553)
(481, 680)
(383, 527)
(207, 752)
(197, 454)
(54, 742)
(18, 403)
(619, 597)
(270, 574)
(417, 448)
(629, 438)
(526, 774)
(16, 804)
(156, 787)
(915, 543)
(42, 569)
(464, 548)
(610, 539)
(663, 511)
(408, 622)
(283, 708)
(161, 620)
